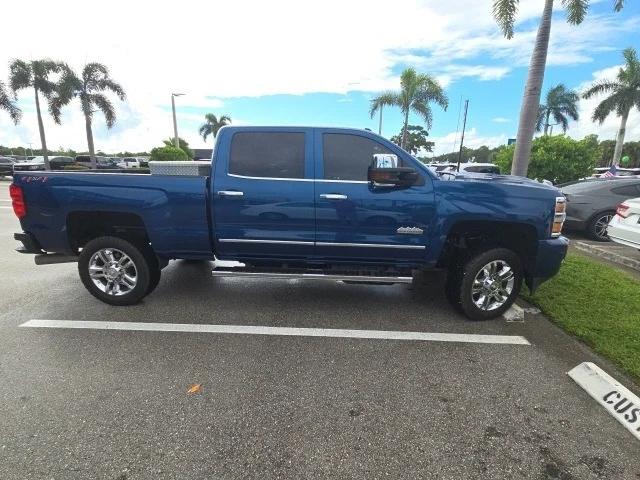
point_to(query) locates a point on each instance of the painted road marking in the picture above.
(285, 331)
(608, 392)
(8, 208)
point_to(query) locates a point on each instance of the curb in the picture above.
(606, 254)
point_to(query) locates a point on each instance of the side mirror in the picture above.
(384, 171)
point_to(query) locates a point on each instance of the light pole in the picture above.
(176, 141)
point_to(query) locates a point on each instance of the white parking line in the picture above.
(284, 331)
(8, 208)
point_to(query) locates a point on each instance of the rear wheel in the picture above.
(597, 227)
(487, 285)
(117, 271)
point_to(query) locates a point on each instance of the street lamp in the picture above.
(176, 141)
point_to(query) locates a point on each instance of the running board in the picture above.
(313, 276)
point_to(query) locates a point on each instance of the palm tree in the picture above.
(35, 74)
(561, 103)
(505, 12)
(7, 103)
(624, 95)
(416, 92)
(88, 88)
(212, 125)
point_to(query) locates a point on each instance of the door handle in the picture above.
(333, 196)
(230, 193)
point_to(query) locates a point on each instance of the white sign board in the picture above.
(621, 403)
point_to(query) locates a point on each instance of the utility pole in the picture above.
(176, 140)
(464, 126)
(380, 124)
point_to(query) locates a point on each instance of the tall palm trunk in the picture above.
(43, 140)
(617, 153)
(546, 123)
(531, 98)
(92, 153)
(404, 129)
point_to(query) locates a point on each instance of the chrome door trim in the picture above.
(251, 240)
(321, 244)
(270, 178)
(369, 245)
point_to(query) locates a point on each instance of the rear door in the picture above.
(362, 223)
(263, 194)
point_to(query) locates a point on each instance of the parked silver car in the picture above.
(592, 203)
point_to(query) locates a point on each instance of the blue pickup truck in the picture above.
(299, 202)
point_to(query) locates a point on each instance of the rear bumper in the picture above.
(29, 243)
(551, 253)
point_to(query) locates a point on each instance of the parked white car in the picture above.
(129, 162)
(473, 167)
(624, 227)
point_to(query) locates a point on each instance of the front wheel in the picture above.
(116, 271)
(487, 285)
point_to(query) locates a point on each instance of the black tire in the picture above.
(594, 229)
(144, 268)
(460, 283)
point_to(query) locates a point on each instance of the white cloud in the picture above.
(213, 50)
(501, 120)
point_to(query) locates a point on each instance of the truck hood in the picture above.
(502, 179)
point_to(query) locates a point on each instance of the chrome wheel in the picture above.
(492, 285)
(113, 271)
(600, 227)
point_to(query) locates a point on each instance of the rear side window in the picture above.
(267, 154)
(347, 157)
(627, 191)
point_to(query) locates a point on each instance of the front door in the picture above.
(358, 222)
(263, 202)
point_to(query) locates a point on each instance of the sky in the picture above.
(302, 63)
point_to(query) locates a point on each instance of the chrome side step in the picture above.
(312, 276)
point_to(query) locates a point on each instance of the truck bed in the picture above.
(173, 209)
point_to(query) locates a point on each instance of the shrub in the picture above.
(168, 154)
(555, 157)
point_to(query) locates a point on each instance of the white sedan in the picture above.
(624, 227)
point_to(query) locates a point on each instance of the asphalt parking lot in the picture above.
(99, 404)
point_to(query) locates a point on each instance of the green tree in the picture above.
(184, 146)
(505, 12)
(90, 88)
(624, 94)
(212, 125)
(7, 103)
(557, 158)
(35, 74)
(168, 153)
(560, 104)
(417, 91)
(416, 140)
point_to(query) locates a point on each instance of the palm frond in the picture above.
(559, 117)
(604, 109)
(20, 75)
(7, 102)
(600, 87)
(576, 10)
(618, 5)
(504, 12)
(425, 113)
(384, 99)
(205, 130)
(105, 106)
